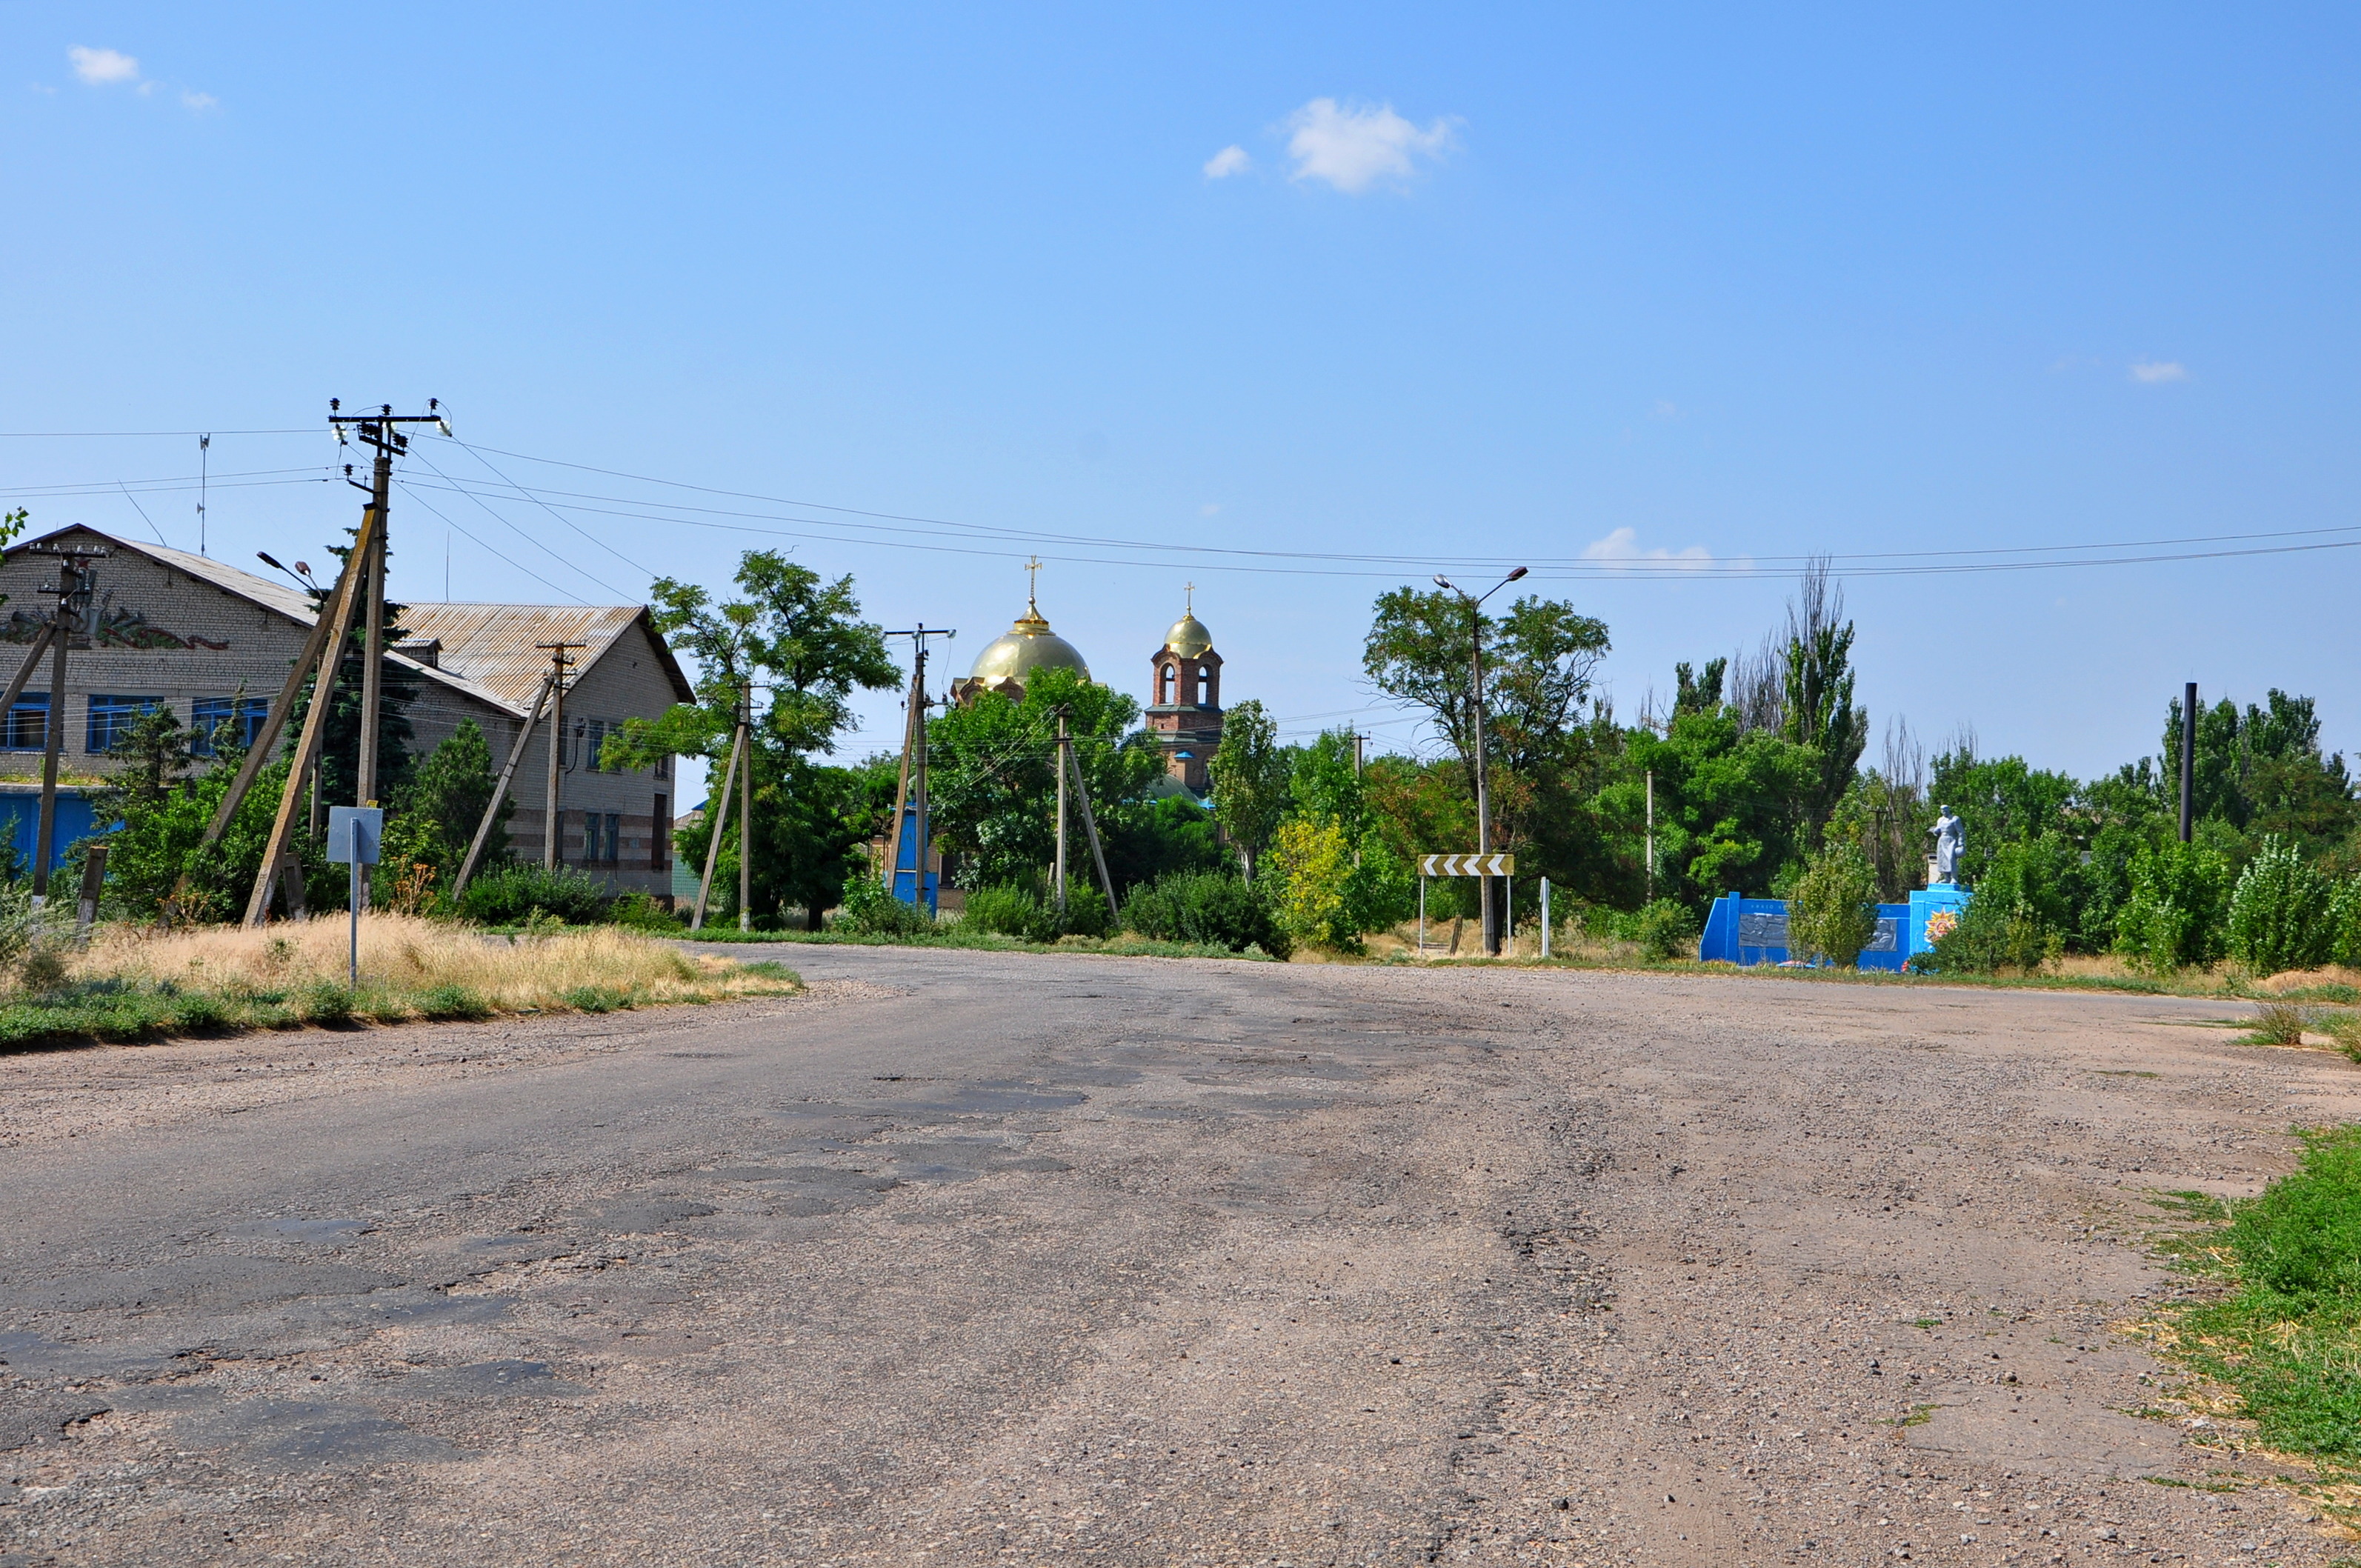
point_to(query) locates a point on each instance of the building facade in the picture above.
(213, 645)
(1184, 716)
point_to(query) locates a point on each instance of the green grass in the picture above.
(2284, 1333)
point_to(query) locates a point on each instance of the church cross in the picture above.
(1032, 583)
(1189, 590)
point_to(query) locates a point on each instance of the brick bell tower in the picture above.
(1184, 711)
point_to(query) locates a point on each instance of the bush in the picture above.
(511, 895)
(1833, 912)
(2345, 922)
(1010, 911)
(1087, 914)
(1994, 933)
(2174, 917)
(1309, 867)
(2280, 913)
(866, 909)
(2302, 1237)
(640, 912)
(1208, 908)
(1666, 930)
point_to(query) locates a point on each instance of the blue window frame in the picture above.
(111, 716)
(210, 713)
(27, 727)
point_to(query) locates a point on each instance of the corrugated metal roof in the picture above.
(489, 650)
(494, 645)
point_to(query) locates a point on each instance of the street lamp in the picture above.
(1475, 689)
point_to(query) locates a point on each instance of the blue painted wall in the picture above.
(22, 810)
(1741, 931)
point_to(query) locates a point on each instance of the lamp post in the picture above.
(1476, 692)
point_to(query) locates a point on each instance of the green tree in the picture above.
(1252, 776)
(1539, 659)
(1311, 870)
(2173, 918)
(994, 776)
(2281, 913)
(1819, 711)
(433, 819)
(1731, 803)
(1832, 913)
(798, 641)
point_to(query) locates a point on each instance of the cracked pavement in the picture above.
(972, 1257)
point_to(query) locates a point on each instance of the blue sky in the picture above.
(1736, 285)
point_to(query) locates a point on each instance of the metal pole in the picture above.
(1652, 835)
(1545, 918)
(746, 811)
(2187, 760)
(353, 904)
(1483, 803)
(551, 822)
(1059, 876)
(45, 841)
(373, 633)
(1421, 914)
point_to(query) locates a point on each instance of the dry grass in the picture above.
(402, 953)
(133, 983)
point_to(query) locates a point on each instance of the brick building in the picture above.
(215, 643)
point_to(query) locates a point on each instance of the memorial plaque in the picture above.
(1762, 928)
(1888, 938)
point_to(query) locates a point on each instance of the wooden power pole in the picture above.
(560, 661)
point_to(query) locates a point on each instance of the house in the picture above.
(213, 643)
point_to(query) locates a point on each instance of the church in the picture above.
(1184, 711)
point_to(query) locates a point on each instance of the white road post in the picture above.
(1545, 918)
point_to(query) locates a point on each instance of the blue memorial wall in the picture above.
(1742, 930)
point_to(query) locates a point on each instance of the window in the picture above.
(210, 713)
(596, 744)
(602, 838)
(111, 716)
(28, 724)
(1165, 682)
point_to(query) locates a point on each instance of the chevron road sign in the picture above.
(1467, 866)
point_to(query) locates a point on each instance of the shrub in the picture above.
(1209, 908)
(1310, 866)
(640, 912)
(1994, 933)
(451, 1001)
(509, 895)
(2345, 922)
(1665, 930)
(1087, 914)
(2280, 1024)
(2173, 918)
(866, 909)
(1833, 912)
(2302, 1237)
(1010, 911)
(2280, 915)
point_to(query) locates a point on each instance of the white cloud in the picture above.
(100, 66)
(1210, 509)
(2154, 371)
(1231, 159)
(1352, 146)
(1621, 548)
(198, 103)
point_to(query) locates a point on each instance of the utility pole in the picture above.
(1090, 821)
(1357, 740)
(560, 663)
(77, 583)
(746, 810)
(1476, 709)
(913, 806)
(499, 790)
(1652, 835)
(1064, 754)
(717, 811)
(377, 431)
(2187, 760)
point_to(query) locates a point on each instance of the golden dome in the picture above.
(1189, 637)
(1029, 645)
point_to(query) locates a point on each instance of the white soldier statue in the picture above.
(1951, 837)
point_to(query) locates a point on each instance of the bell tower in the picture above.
(1184, 711)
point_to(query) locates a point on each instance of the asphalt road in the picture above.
(970, 1256)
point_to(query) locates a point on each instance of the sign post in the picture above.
(354, 832)
(1462, 865)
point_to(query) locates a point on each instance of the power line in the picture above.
(410, 486)
(138, 434)
(463, 533)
